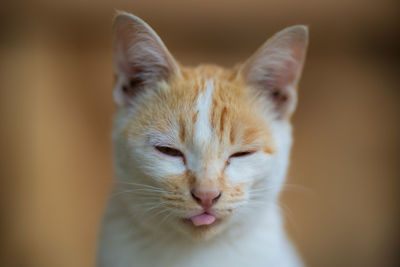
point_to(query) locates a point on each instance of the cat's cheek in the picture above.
(238, 173)
(250, 168)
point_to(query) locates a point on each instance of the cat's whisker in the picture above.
(264, 188)
(144, 190)
(260, 193)
(138, 191)
(152, 216)
(160, 205)
(136, 196)
(140, 185)
(256, 205)
(260, 197)
(165, 218)
(143, 205)
(147, 214)
(287, 212)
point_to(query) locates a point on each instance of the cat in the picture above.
(200, 154)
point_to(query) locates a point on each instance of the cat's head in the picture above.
(200, 149)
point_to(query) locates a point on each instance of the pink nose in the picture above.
(206, 198)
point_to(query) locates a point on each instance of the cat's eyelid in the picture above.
(170, 151)
(243, 153)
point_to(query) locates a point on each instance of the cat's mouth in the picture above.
(202, 219)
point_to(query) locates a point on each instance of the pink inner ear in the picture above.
(140, 56)
(276, 67)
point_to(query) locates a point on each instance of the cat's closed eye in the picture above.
(169, 151)
(241, 154)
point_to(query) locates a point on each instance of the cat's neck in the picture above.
(260, 241)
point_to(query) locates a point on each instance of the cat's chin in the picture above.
(203, 232)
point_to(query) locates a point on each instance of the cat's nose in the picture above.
(206, 198)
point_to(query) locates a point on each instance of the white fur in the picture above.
(203, 106)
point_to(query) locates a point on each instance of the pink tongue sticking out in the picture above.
(202, 219)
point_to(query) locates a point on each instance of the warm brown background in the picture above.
(56, 107)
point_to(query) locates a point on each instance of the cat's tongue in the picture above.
(202, 219)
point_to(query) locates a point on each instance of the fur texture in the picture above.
(184, 131)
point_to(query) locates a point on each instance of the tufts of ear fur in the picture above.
(140, 57)
(275, 68)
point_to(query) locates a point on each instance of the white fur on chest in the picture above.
(261, 243)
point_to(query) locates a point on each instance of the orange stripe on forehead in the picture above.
(232, 135)
(222, 122)
(182, 130)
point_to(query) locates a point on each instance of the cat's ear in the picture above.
(276, 67)
(140, 58)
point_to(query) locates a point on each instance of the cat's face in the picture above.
(198, 150)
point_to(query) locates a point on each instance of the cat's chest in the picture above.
(256, 247)
(257, 254)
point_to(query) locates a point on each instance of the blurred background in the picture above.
(56, 79)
